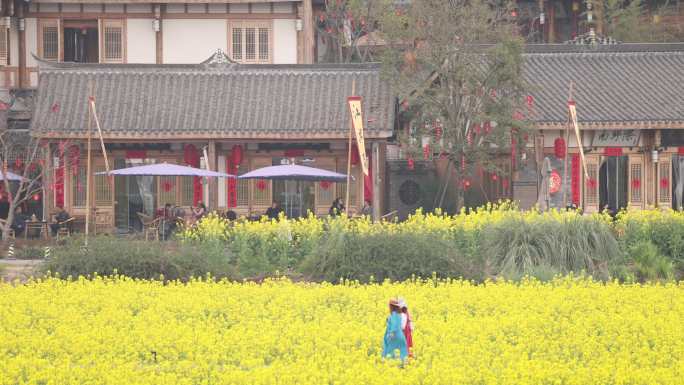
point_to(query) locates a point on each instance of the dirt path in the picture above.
(21, 269)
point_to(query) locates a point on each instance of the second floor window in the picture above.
(4, 46)
(82, 41)
(250, 42)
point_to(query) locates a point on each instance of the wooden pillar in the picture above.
(48, 178)
(551, 21)
(308, 35)
(213, 182)
(159, 37)
(22, 46)
(377, 162)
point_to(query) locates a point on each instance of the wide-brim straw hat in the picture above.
(402, 303)
(394, 302)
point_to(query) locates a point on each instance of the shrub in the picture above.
(139, 259)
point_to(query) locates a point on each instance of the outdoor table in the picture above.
(42, 226)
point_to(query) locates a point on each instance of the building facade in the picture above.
(118, 32)
(236, 117)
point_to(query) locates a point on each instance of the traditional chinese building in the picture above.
(237, 117)
(630, 108)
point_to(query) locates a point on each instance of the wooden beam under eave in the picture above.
(163, 1)
(614, 126)
(380, 135)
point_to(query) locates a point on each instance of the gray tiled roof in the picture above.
(209, 100)
(611, 85)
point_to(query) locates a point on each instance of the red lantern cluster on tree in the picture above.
(236, 154)
(559, 148)
(487, 126)
(426, 152)
(530, 101)
(438, 130)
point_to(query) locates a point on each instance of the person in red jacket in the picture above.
(406, 325)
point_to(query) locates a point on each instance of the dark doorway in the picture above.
(613, 183)
(81, 42)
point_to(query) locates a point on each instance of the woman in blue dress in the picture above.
(394, 337)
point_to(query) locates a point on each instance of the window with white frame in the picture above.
(250, 42)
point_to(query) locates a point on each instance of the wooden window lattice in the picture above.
(250, 42)
(112, 41)
(591, 190)
(50, 41)
(664, 181)
(4, 47)
(635, 182)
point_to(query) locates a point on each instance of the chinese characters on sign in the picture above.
(357, 124)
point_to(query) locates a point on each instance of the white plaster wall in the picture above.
(31, 41)
(284, 41)
(141, 43)
(14, 47)
(191, 41)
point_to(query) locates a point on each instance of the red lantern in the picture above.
(636, 184)
(36, 197)
(495, 177)
(438, 130)
(426, 152)
(530, 101)
(261, 185)
(409, 164)
(559, 148)
(466, 184)
(325, 185)
(554, 182)
(236, 154)
(517, 115)
(18, 163)
(55, 107)
(167, 186)
(591, 183)
(504, 183)
(664, 183)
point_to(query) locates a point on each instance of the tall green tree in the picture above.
(457, 68)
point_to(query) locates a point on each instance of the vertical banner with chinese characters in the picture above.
(357, 124)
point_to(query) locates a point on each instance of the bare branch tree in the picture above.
(25, 157)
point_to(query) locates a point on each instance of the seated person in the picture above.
(274, 211)
(199, 211)
(19, 221)
(61, 216)
(231, 215)
(337, 208)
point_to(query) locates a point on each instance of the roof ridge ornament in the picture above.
(219, 60)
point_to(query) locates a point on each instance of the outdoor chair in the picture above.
(64, 227)
(150, 226)
(103, 223)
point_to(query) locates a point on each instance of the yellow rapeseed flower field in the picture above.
(122, 331)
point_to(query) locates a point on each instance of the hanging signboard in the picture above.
(616, 138)
(357, 125)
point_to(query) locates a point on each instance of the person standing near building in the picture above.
(394, 338)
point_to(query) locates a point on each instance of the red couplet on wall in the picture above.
(575, 179)
(612, 151)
